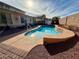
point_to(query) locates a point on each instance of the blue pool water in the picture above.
(42, 31)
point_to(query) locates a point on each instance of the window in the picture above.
(22, 20)
(3, 18)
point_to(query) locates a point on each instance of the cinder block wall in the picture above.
(62, 20)
(71, 20)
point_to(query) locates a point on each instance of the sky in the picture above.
(50, 8)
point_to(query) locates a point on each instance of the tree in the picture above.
(55, 20)
(43, 17)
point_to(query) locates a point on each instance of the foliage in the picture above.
(55, 20)
(43, 16)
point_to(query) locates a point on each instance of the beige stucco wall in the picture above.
(71, 20)
(62, 20)
(15, 22)
(28, 19)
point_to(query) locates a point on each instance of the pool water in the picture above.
(42, 31)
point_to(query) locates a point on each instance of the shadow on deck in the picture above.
(61, 50)
(8, 33)
(61, 47)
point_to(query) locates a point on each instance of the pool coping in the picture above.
(65, 35)
(60, 29)
(32, 30)
(64, 31)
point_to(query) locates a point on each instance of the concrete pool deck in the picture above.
(64, 35)
(24, 43)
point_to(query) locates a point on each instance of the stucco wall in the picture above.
(71, 20)
(62, 20)
(15, 18)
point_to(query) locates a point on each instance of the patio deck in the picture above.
(9, 52)
(63, 50)
(22, 47)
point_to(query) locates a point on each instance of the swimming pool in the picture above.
(43, 31)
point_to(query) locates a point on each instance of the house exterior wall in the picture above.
(48, 22)
(13, 16)
(13, 19)
(37, 19)
(28, 19)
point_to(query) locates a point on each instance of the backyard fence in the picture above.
(70, 20)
